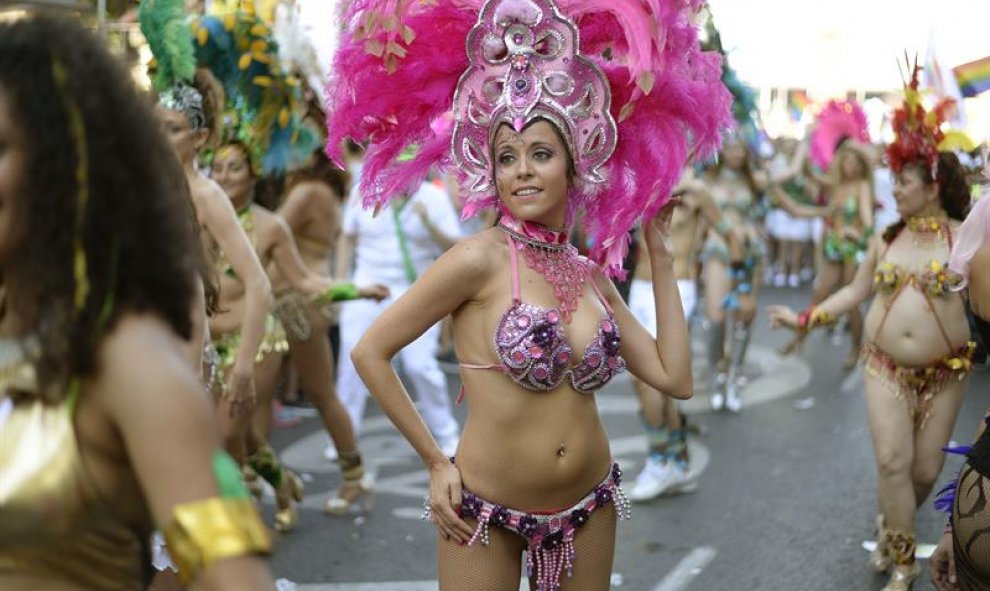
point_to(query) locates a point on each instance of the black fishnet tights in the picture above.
(971, 530)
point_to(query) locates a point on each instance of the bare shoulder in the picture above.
(477, 256)
(142, 360)
(306, 191)
(209, 198)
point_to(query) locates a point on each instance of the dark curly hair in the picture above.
(137, 227)
(953, 189)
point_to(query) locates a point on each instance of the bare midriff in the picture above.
(911, 335)
(523, 449)
(532, 451)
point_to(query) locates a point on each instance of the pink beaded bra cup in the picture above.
(530, 340)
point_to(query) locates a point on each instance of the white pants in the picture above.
(419, 365)
(644, 308)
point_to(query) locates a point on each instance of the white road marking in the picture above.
(677, 580)
(687, 569)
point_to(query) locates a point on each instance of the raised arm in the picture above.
(793, 168)
(663, 363)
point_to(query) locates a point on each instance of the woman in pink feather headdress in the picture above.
(839, 146)
(587, 107)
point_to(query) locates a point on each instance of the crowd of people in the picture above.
(174, 262)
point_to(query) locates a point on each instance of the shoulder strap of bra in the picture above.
(514, 269)
(598, 292)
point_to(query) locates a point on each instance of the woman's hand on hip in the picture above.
(445, 502)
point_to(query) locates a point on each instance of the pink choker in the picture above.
(548, 252)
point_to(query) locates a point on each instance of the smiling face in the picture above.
(232, 171)
(13, 168)
(914, 196)
(532, 172)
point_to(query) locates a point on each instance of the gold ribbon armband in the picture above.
(203, 532)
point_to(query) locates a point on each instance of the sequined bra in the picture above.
(533, 350)
(936, 280)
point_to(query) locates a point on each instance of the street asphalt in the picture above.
(786, 495)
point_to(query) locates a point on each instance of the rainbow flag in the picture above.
(973, 77)
(798, 102)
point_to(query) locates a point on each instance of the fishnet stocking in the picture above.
(971, 530)
(594, 546)
(496, 567)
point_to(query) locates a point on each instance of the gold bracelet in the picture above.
(203, 532)
(820, 317)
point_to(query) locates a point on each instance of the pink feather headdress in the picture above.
(625, 82)
(836, 121)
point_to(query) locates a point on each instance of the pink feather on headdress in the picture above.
(837, 120)
(394, 79)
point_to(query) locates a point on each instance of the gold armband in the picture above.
(203, 532)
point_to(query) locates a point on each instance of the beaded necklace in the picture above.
(548, 252)
(928, 231)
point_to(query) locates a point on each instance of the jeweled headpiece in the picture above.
(624, 81)
(163, 24)
(525, 65)
(187, 100)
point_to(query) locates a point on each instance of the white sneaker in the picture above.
(681, 481)
(779, 280)
(330, 452)
(732, 400)
(718, 388)
(656, 477)
(794, 281)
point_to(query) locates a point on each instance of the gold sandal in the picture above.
(354, 496)
(290, 492)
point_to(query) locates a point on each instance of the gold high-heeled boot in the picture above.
(354, 496)
(901, 545)
(880, 556)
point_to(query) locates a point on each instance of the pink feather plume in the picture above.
(667, 99)
(837, 120)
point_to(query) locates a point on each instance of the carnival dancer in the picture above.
(536, 327)
(848, 215)
(105, 430)
(731, 289)
(189, 105)
(667, 467)
(917, 356)
(272, 240)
